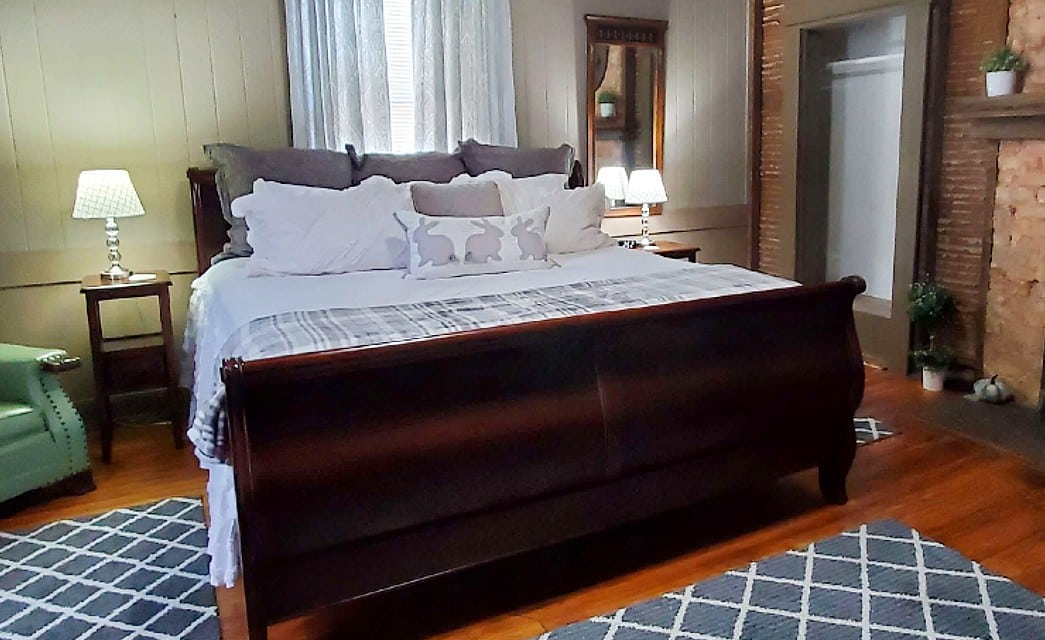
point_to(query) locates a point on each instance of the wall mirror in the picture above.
(625, 95)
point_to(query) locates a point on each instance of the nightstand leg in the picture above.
(105, 414)
(101, 392)
(172, 369)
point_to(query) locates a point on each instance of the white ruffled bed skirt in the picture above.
(223, 533)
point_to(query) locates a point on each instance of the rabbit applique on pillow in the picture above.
(447, 247)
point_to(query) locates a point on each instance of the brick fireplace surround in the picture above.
(1015, 335)
(988, 204)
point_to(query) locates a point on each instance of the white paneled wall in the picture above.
(706, 145)
(135, 84)
(706, 154)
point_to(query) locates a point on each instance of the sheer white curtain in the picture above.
(463, 80)
(338, 74)
(461, 73)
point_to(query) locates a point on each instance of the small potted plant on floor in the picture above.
(931, 307)
(1004, 68)
(607, 104)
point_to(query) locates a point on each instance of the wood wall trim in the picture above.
(798, 12)
(756, 12)
(933, 134)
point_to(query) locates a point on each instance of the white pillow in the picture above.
(299, 230)
(575, 223)
(520, 194)
(447, 247)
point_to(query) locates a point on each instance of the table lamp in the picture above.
(615, 179)
(108, 194)
(645, 187)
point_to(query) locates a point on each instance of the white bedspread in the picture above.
(225, 299)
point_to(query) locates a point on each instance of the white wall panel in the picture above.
(706, 147)
(135, 84)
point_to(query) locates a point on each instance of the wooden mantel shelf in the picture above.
(1018, 117)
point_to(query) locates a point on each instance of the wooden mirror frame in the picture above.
(633, 32)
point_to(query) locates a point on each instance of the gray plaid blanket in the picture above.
(311, 331)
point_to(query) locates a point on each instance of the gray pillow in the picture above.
(432, 166)
(238, 167)
(521, 163)
(468, 200)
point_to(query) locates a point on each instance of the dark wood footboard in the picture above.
(365, 469)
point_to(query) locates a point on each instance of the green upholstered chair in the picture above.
(42, 440)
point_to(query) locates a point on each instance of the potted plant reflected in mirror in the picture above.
(931, 307)
(1004, 69)
(607, 104)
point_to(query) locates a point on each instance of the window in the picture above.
(399, 50)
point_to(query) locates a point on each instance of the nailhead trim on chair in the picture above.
(62, 406)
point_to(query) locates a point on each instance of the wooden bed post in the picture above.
(836, 462)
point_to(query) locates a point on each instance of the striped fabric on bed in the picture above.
(312, 331)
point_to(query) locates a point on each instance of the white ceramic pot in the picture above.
(1001, 83)
(932, 379)
(607, 109)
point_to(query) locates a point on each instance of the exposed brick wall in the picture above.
(1016, 300)
(770, 227)
(967, 178)
(1015, 330)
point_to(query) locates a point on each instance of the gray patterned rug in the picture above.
(883, 581)
(870, 430)
(139, 572)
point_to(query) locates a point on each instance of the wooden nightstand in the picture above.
(124, 364)
(676, 250)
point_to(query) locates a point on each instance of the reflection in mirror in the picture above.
(625, 101)
(624, 120)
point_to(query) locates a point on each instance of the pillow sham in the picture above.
(238, 167)
(446, 247)
(520, 163)
(575, 223)
(524, 194)
(314, 231)
(463, 199)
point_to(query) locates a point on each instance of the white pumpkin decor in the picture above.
(992, 390)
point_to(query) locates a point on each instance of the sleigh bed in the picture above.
(361, 469)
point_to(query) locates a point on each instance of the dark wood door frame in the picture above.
(932, 141)
(932, 151)
(756, 49)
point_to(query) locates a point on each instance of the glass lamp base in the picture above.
(646, 243)
(116, 272)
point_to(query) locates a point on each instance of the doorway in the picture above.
(859, 88)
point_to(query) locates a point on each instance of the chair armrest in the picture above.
(21, 369)
(59, 363)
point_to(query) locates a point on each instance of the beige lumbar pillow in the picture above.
(465, 199)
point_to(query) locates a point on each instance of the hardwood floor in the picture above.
(985, 503)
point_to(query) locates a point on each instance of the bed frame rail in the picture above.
(365, 469)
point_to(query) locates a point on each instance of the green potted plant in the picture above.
(1003, 68)
(607, 103)
(931, 307)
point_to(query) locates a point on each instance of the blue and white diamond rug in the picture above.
(883, 581)
(870, 430)
(139, 572)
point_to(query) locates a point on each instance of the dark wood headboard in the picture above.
(209, 224)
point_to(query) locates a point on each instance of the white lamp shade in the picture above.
(645, 187)
(615, 179)
(106, 193)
